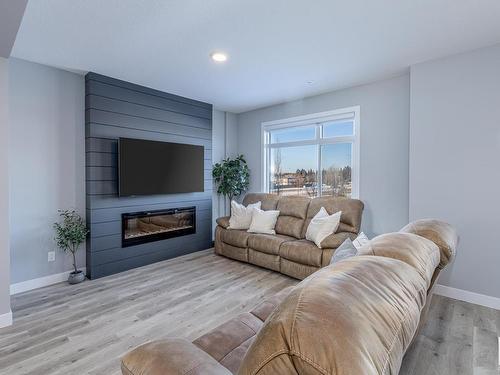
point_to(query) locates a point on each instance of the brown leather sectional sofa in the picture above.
(355, 317)
(288, 251)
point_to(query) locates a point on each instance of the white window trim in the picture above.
(337, 114)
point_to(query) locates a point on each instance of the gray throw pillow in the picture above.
(344, 251)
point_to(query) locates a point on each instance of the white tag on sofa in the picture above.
(360, 240)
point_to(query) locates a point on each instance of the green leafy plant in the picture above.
(232, 176)
(70, 232)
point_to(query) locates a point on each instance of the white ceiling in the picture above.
(275, 46)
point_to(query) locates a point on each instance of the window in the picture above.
(312, 155)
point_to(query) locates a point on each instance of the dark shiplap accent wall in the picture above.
(115, 109)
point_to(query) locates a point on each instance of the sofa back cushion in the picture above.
(439, 232)
(293, 212)
(358, 315)
(268, 201)
(417, 251)
(352, 211)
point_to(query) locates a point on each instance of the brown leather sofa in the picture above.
(288, 251)
(355, 317)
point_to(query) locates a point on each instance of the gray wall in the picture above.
(225, 144)
(4, 190)
(454, 160)
(47, 158)
(384, 145)
(11, 14)
(117, 109)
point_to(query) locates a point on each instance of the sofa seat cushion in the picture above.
(171, 356)
(233, 359)
(303, 252)
(236, 237)
(267, 243)
(229, 336)
(336, 239)
(265, 308)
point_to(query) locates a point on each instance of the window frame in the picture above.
(317, 119)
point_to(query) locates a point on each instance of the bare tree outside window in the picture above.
(337, 181)
(277, 171)
(286, 180)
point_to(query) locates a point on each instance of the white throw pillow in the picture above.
(360, 240)
(344, 251)
(322, 225)
(263, 221)
(241, 216)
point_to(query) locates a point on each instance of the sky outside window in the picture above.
(299, 133)
(289, 159)
(338, 129)
(305, 157)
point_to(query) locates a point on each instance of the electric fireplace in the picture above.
(149, 226)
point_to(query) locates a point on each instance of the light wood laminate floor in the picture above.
(85, 329)
(459, 338)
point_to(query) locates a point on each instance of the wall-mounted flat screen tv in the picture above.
(152, 167)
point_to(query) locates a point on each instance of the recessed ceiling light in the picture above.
(218, 56)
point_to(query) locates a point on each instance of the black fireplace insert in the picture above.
(149, 226)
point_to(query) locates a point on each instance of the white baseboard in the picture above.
(6, 319)
(24, 286)
(466, 296)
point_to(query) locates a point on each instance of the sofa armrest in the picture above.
(223, 222)
(335, 240)
(170, 357)
(439, 232)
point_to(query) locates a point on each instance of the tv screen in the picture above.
(151, 167)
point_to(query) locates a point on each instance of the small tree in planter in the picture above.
(70, 234)
(232, 176)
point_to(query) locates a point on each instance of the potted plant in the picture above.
(70, 234)
(232, 176)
